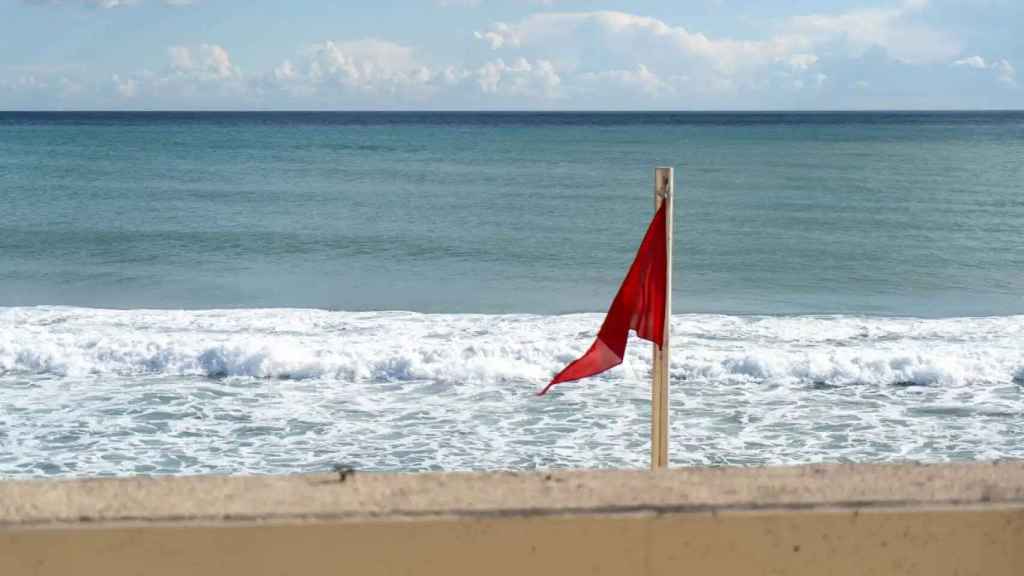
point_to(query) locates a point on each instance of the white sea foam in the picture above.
(86, 391)
(400, 346)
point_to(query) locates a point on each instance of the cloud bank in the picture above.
(861, 58)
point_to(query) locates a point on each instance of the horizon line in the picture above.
(511, 111)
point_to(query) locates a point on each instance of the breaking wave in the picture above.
(130, 392)
(527, 349)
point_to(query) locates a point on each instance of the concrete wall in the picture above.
(907, 519)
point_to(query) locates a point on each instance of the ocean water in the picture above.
(280, 292)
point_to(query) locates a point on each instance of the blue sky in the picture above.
(511, 54)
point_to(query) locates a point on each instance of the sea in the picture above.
(250, 293)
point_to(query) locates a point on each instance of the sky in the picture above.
(511, 54)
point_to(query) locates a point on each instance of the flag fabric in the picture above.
(639, 305)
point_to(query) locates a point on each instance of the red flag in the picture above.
(639, 305)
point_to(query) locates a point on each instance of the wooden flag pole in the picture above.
(664, 184)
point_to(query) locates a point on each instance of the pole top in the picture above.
(663, 181)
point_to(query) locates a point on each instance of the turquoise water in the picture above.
(890, 214)
(254, 293)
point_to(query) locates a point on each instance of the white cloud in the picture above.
(285, 71)
(590, 59)
(894, 29)
(369, 66)
(620, 33)
(181, 57)
(41, 88)
(29, 82)
(521, 78)
(126, 87)
(624, 39)
(477, 3)
(453, 75)
(195, 74)
(802, 61)
(1007, 73)
(1004, 71)
(972, 62)
(639, 79)
(111, 3)
(498, 36)
(381, 69)
(658, 59)
(97, 3)
(203, 62)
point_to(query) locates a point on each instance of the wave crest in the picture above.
(455, 348)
